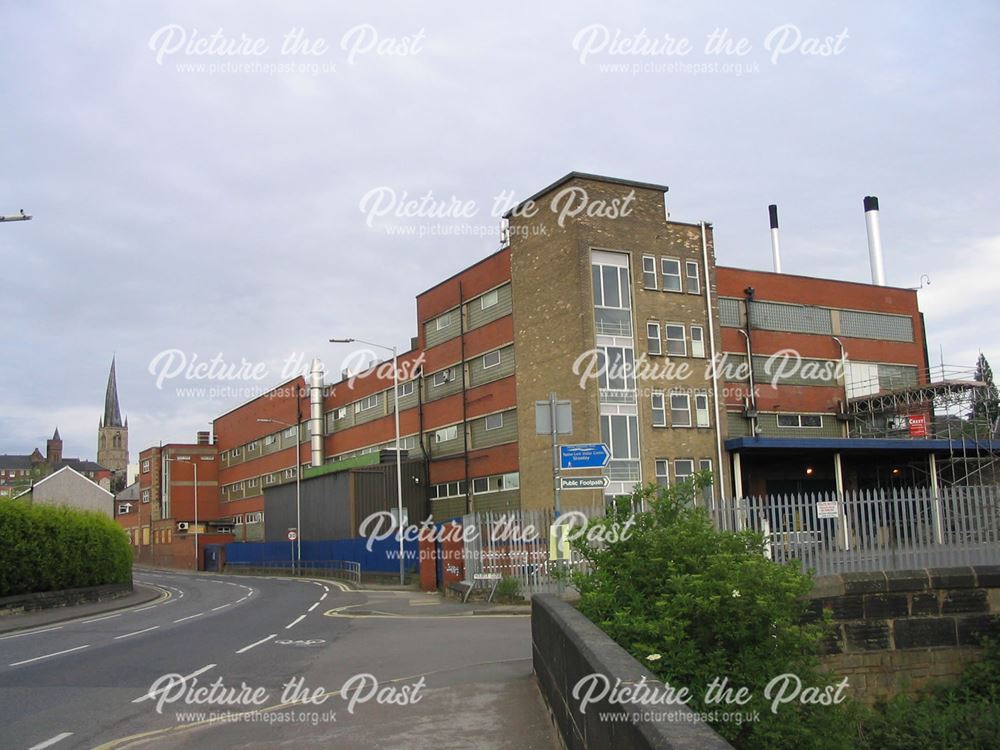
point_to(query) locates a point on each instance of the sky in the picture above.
(211, 181)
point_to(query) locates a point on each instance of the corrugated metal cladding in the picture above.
(335, 505)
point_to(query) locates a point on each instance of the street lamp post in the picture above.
(194, 465)
(399, 462)
(298, 484)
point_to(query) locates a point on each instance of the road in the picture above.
(417, 672)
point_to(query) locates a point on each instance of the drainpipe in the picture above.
(465, 405)
(747, 334)
(843, 367)
(714, 369)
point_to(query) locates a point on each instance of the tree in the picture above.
(986, 402)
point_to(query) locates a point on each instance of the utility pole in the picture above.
(16, 217)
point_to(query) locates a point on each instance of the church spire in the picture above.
(112, 412)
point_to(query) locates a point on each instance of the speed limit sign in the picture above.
(292, 535)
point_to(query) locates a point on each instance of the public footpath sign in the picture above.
(583, 483)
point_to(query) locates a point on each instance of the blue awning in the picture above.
(864, 445)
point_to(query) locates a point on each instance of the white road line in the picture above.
(172, 684)
(51, 741)
(189, 617)
(143, 609)
(322, 597)
(314, 606)
(129, 635)
(48, 656)
(18, 635)
(223, 606)
(326, 588)
(98, 619)
(295, 622)
(241, 600)
(257, 643)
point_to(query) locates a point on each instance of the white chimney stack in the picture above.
(316, 413)
(772, 210)
(874, 240)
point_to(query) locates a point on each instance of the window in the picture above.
(611, 287)
(683, 469)
(693, 279)
(649, 271)
(661, 468)
(494, 421)
(145, 496)
(290, 432)
(701, 409)
(659, 410)
(697, 341)
(440, 378)
(269, 479)
(800, 420)
(680, 410)
(705, 464)
(270, 440)
(124, 508)
(235, 452)
(653, 337)
(252, 446)
(489, 299)
(480, 485)
(443, 322)
(252, 482)
(670, 269)
(492, 359)
(289, 473)
(367, 403)
(341, 413)
(510, 481)
(405, 389)
(446, 434)
(676, 342)
(617, 368)
(447, 489)
(145, 466)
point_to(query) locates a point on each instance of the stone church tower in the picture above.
(112, 433)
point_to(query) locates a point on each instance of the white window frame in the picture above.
(145, 496)
(270, 440)
(511, 481)
(251, 447)
(290, 431)
(697, 344)
(686, 409)
(490, 354)
(661, 410)
(682, 477)
(406, 389)
(488, 417)
(475, 483)
(442, 321)
(661, 472)
(368, 403)
(798, 422)
(682, 339)
(124, 508)
(701, 413)
(145, 466)
(446, 374)
(679, 276)
(451, 430)
(651, 269)
(689, 277)
(650, 325)
(494, 299)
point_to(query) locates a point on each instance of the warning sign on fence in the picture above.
(827, 509)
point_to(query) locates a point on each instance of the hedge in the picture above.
(48, 548)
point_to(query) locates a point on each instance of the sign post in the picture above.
(554, 418)
(293, 534)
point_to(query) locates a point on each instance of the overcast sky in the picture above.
(219, 212)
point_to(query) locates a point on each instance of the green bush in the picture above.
(965, 716)
(508, 589)
(694, 604)
(47, 548)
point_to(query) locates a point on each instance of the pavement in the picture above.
(140, 595)
(274, 662)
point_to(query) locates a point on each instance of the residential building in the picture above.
(70, 488)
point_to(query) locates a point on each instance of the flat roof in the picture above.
(815, 278)
(920, 445)
(587, 176)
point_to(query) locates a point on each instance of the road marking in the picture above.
(314, 606)
(172, 684)
(48, 656)
(189, 617)
(295, 622)
(129, 635)
(326, 588)
(223, 606)
(145, 608)
(51, 741)
(241, 600)
(252, 645)
(18, 635)
(98, 619)
(322, 597)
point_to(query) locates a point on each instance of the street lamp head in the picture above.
(341, 341)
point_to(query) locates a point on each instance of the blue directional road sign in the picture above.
(584, 456)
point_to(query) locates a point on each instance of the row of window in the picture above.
(669, 278)
(683, 469)
(675, 339)
(485, 302)
(680, 410)
(244, 519)
(252, 483)
(793, 318)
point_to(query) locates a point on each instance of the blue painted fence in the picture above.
(383, 557)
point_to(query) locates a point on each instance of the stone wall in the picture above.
(899, 631)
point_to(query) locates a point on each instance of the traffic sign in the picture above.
(292, 535)
(487, 576)
(583, 483)
(584, 456)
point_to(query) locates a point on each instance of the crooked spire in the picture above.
(112, 412)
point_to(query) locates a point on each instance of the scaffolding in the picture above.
(940, 405)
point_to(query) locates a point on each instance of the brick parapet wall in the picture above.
(901, 630)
